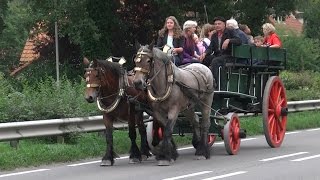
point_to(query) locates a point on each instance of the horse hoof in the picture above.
(144, 157)
(134, 161)
(163, 163)
(200, 158)
(106, 163)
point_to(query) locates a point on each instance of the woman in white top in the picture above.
(170, 36)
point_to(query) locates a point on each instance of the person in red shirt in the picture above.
(271, 39)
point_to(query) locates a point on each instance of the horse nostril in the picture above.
(90, 99)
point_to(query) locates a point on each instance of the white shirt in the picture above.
(170, 41)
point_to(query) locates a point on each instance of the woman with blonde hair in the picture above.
(171, 36)
(271, 39)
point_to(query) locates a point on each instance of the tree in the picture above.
(311, 16)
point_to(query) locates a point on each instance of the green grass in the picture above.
(40, 151)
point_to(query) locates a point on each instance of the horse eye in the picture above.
(149, 60)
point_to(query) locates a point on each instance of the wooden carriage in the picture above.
(250, 83)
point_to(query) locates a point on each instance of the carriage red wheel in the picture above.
(211, 139)
(274, 110)
(231, 135)
(150, 135)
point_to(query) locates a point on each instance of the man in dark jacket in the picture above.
(219, 50)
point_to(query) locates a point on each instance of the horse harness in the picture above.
(170, 80)
(123, 84)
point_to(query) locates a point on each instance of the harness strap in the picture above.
(170, 81)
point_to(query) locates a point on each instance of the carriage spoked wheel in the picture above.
(231, 134)
(150, 135)
(274, 111)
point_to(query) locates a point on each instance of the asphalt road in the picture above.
(297, 159)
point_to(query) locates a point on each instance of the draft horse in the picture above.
(172, 90)
(108, 84)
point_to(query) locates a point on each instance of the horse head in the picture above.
(93, 81)
(144, 62)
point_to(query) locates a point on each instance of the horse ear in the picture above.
(137, 45)
(95, 63)
(151, 45)
(86, 61)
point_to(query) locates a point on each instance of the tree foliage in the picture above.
(98, 29)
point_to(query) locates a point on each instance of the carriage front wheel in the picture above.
(274, 111)
(231, 134)
(151, 133)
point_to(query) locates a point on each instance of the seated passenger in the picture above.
(271, 39)
(189, 55)
(170, 36)
(200, 49)
(233, 24)
(219, 50)
(245, 28)
(258, 41)
(206, 34)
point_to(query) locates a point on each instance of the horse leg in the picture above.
(168, 151)
(108, 158)
(135, 155)
(194, 120)
(145, 153)
(203, 150)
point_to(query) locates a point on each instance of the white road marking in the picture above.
(24, 172)
(248, 139)
(284, 156)
(93, 162)
(185, 148)
(307, 158)
(188, 175)
(316, 129)
(226, 175)
(80, 164)
(293, 132)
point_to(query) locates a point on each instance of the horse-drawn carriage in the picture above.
(248, 84)
(242, 88)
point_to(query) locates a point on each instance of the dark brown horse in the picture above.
(109, 85)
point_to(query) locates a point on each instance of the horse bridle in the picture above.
(170, 78)
(120, 94)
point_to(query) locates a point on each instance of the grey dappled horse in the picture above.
(172, 90)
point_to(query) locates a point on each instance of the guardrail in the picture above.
(28, 129)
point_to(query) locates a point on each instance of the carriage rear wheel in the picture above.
(231, 134)
(150, 136)
(274, 110)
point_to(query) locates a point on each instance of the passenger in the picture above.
(206, 34)
(170, 36)
(220, 46)
(233, 24)
(189, 55)
(200, 49)
(258, 41)
(245, 28)
(271, 39)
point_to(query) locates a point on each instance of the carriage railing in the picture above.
(273, 58)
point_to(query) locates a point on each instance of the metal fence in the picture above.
(28, 129)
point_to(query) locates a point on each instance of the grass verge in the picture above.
(35, 152)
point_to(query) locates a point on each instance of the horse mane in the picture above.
(160, 55)
(108, 66)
